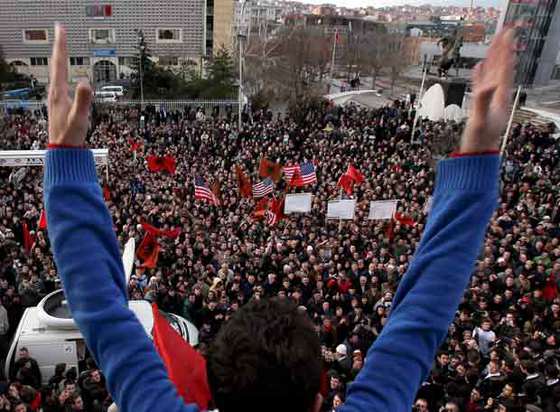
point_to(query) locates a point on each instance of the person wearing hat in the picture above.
(343, 363)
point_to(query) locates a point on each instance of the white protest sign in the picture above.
(382, 209)
(341, 209)
(298, 203)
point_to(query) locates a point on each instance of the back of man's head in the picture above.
(266, 357)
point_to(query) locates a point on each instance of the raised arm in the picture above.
(87, 255)
(465, 198)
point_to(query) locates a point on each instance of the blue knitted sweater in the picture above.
(88, 259)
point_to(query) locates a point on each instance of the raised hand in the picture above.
(492, 86)
(68, 121)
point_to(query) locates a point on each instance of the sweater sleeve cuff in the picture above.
(487, 152)
(469, 173)
(70, 166)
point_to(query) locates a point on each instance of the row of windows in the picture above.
(85, 61)
(105, 36)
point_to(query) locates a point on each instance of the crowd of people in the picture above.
(502, 350)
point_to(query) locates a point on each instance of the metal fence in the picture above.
(168, 105)
(172, 105)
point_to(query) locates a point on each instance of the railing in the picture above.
(169, 105)
(172, 105)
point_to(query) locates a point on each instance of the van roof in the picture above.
(32, 329)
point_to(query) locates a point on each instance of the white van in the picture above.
(118, 90)
(51, 336)
(106, 97)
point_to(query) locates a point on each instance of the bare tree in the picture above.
(291, 64)
(396, 59)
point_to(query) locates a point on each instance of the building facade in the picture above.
(220, 15)
(539, 38)
(102, 34)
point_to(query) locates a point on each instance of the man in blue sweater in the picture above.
(266, 357)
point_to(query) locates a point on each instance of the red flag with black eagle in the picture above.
(355, 174)
(260, 209)
(160, 163)
(170, 164)
(297, 179)
(270, 169)
(148, 251)
(154, 231)
(185, 367)
(404, 219)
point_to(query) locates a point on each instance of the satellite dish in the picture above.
(53, 311)
(128, 258)
(454, 112)
(433, 104)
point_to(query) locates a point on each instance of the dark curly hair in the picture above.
(265, 358)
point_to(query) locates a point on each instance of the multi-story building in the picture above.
(220, 16)
(102, 34)
(259, 16)
(539, 38)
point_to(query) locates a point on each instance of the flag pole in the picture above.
(340, 220)
(510, 123)
(333, 57)
(418, 101)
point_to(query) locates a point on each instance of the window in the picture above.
(102, 36)
(39, 61)
(169, 36)
(99, 11)
(35, 36)
(79, 61)
(169, 61)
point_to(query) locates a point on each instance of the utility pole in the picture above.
(240, 38)
(141, 51)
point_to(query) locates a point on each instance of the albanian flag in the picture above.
(297, 179)
(154, 231)
(346, 183)
(405, 220)
(148, 251)
(244, 182)
(185, 367)
(260, 209)
(355, 174)
(161, 163)
(270, 169)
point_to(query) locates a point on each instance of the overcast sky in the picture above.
(382, 3)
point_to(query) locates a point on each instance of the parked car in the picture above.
(106, 97)
(118, 90)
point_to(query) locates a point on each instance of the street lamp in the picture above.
(141, 48)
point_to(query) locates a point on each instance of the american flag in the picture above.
(203, 192)
(263, 188)
(306, 170)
